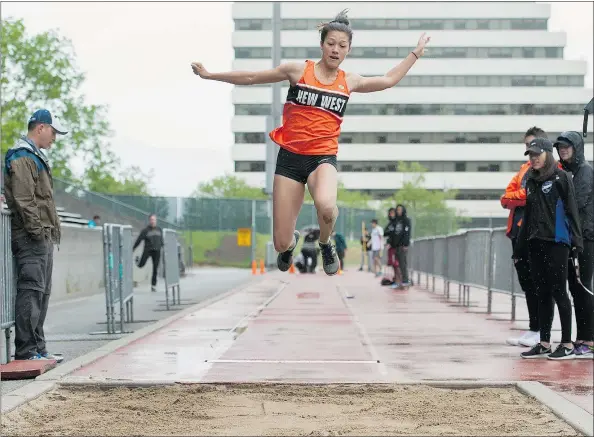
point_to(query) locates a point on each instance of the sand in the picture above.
(247, 410)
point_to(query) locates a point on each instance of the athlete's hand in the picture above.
(199, 70)
(423, 40)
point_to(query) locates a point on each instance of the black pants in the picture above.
(525, 280)
(155, 255)
(402, 262)
(310, 254)
(548, 267)
(583, 302)
(34, 262)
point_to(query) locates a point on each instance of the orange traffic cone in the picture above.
(262, 269)
(292, 268)
(339, 271)
(254, 267)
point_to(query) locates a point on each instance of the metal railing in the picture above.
(7, 280)
(477, 258)
(118, 276)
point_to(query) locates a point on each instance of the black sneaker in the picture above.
(538, 351)
(285, 259)
(329, 259)
(562, 353)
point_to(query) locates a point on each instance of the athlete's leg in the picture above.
(287, 198)
(323, 186)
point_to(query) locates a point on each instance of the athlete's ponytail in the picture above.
(340, 23)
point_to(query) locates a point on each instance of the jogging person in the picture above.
(152, 236)
(570, 146)
(514, 199)
(312, 116)
(550, 229)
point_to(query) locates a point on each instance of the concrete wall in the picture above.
(78, 264)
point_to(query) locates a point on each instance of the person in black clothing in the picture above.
(390, 235)
(550, 229)
(400, 240)
(152, 236)
(570, 146)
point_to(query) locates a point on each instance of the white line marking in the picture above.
(296, 361)
(363, 332)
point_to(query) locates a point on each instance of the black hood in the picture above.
(403, 209)
(577, 142)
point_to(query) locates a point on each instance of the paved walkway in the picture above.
(317, 329)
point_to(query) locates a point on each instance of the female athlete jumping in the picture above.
(313, 112)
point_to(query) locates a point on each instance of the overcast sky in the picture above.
(136, 57)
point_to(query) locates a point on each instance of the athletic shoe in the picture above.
(584, 352)
(538, 351)
(58, 357)
(154, 288)
(394, 286)
(515, 341)
(562, 353)
(529, 339)
(406, 284)
(285, 259)
(329, 259)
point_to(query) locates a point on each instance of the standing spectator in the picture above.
(341, 247)
(514, 199)
(390, 234)
(377, 245)
(152, 236)
(570, 146)
(365, 250)
(550, 230)
(401, 241)
(35, 228)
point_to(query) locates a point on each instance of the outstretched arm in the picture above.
(290, 71)
(360, 84)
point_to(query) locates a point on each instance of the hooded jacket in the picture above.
(583, 181)
(551, 213)
(29, 192)
(398, 230)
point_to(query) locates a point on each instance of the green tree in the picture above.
(40, 71)
(230, 187)
(427, 209)
(347, 198)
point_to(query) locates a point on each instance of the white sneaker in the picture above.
(516, 341)
(529, 339)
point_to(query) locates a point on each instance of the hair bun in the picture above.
(342, 18)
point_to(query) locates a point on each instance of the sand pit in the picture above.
(247, 410)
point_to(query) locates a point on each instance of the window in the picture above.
(483, 81)
(404, 24)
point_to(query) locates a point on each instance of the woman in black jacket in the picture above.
(551, 228)
(570, 146)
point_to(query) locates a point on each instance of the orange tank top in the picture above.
(312, 115)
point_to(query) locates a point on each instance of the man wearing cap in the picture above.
(35, 228)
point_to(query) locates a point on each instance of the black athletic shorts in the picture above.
(299, 167)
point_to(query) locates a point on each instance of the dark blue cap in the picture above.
(539, 145)
(45, 117)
